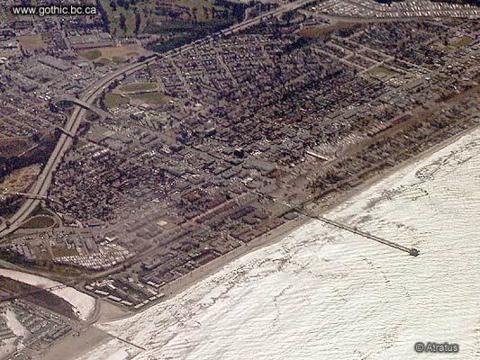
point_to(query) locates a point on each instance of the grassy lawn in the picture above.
(148, 10)
(138, 87)
(39, 222)
(91, 54)
(115, 100)
(152, 98)
(381, 72)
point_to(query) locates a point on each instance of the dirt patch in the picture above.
(32, 42)
(39, 222)
(19, 180)
(382, 72)
(463, 42)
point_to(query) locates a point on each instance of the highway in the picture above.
(41, 186)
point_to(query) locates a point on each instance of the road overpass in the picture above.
(71, 99)
(88, 97)
(27, 196)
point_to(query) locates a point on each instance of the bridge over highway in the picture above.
(71, 99)
(27, 196)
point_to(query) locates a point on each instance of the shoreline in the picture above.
(332, 287)
(283, 231)
(185, 282)
(92, 337)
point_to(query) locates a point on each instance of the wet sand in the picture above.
(77, 344)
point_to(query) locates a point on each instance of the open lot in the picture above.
(115, 100)
(19, 180)
(32, 42)
(152, 98)
(116, 53)
(39, 222)
(382, 72)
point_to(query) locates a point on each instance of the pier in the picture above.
(354, 230)
(301, 210)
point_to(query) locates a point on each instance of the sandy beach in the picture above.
(183, 283)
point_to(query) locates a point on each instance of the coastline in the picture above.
(183, 283)
(92, 337)
(284, 279)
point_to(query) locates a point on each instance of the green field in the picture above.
(138, 14)
(92, 54)
(115, 100)
(138, 87)
(153, 98)
(381, 72)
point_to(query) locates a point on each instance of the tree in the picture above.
(138, 22)
(104, 16)
(122, 23)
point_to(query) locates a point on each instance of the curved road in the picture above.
(44, 180)
(40, 188)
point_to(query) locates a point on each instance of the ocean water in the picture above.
(324, 293)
